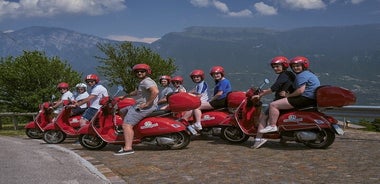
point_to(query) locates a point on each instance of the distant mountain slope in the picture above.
(345, 56)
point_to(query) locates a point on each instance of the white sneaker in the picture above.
(197, 126)
(192, 130)
(269, 129)
(259, 143)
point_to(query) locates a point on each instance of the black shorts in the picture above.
(301, 102)
(220, 103)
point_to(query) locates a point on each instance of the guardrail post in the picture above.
(15, 122)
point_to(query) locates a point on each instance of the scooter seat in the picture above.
(159, 113)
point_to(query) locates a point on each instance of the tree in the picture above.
(29, 79)
(120, 58)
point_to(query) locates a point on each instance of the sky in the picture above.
(148, 20)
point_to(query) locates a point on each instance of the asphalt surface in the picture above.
(352, 158)
(23, 160)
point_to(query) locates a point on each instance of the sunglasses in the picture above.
(89, 81)
(140, 71)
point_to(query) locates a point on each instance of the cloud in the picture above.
(220, 6)
(356, 1)
(265, 9)
(305, 4)
(131, 38)
(45, 8)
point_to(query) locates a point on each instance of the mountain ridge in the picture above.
(344, 55)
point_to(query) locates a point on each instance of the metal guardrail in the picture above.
(354, 111)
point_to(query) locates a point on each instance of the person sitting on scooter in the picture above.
(305, 85)
(221, 89)
(146, 102)
(81, 94)
(177, 82)
(165, 83)
(282, 86)
(63, 88)
(97, 92)
(201, 90)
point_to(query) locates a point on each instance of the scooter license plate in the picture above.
(338, 129)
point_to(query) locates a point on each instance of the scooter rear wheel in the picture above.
(325, 138)
(34, 133)
(233, 135)
(182, 139)
(91, 142)
(54, 136)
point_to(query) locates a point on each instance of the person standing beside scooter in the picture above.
(201, 90)
(166, 89)
(97, 92)
(146, 102)
(282, 86)
(305, 85)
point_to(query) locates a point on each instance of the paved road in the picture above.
(353, 158)
(23, 160)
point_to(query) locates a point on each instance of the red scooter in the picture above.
(63, 125)
(160, 128)
(217, 122)
(35, 129)
(308, 125)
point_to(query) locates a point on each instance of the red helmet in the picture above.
(280, 60)
(142, 66)
(177, 79)
(197, 73)
(166, 77)
(217, 69)
(63, 85)
(300, 60)
(92, 77)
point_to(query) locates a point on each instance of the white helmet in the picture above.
(81, 85)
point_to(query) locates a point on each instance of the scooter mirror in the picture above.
(266, 81)
(119, 89)
(52, 97)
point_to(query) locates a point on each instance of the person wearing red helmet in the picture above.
(305, 85)
(146, 96)
(201, 90)
(221, 89)
(282, 86)
(166, 89)
(97, 91)
(63, 88)
(177, 82)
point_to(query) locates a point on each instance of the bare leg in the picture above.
(274, 110)
(128, 136)
(262, 123)
(187, 115)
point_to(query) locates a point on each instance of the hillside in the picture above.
(345, 56)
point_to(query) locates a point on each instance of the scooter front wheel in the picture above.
(34, 133)
(54, 136)
(91, 142)
(233, 135)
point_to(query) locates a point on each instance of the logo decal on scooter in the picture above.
(149, 124)
(74, 120)
(293, 118)
(207, 117)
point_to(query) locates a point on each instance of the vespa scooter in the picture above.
(160, 128)
(309, 126)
